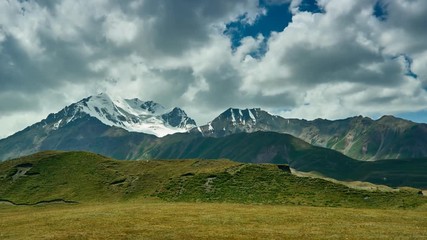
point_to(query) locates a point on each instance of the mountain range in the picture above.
(357, 137)
(135, 129)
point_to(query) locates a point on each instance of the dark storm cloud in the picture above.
(405, 33)
(30, 76)
(343, 62)
(223, 90)
(18, 72)
(379, 100)
(178, 81)
(176, 26)
(67, 61)
(411, 19)
(281, 100)
(49, 4)
(11, 102)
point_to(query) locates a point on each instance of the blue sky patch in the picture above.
(380, 11)
(310, 6)
(276, 19)
(408, 66)
(419, 117)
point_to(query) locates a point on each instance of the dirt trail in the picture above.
(40, 203)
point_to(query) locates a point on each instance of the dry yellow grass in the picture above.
(351, 184)
(159, 220)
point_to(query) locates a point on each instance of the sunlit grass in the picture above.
(86, 177)
(145, 219)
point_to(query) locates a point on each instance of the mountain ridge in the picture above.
(132, 115)
(133, 120)
(358, 137)
(279, 148)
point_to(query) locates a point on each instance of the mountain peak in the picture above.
(387, 118)
(133, 115)
(101, 97)
(238, 116)
(391, 119)
(235, 120)
(178, 118)
(395, 122)
(150, 106)
(139, 107)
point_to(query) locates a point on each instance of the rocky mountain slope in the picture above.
(97, 123)
(358, 137)
(133, 115)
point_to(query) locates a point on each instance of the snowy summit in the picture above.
(133, 115)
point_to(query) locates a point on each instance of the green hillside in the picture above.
(87, 177)
(89, 134)
(270, 147)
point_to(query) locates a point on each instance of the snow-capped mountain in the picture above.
(127, 129)
(235, 120)
(119, 127)
(133, 115)
(358, 137)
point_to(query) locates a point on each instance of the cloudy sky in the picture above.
(297, 58)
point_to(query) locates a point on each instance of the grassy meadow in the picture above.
(153, 219)
(193, 199)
